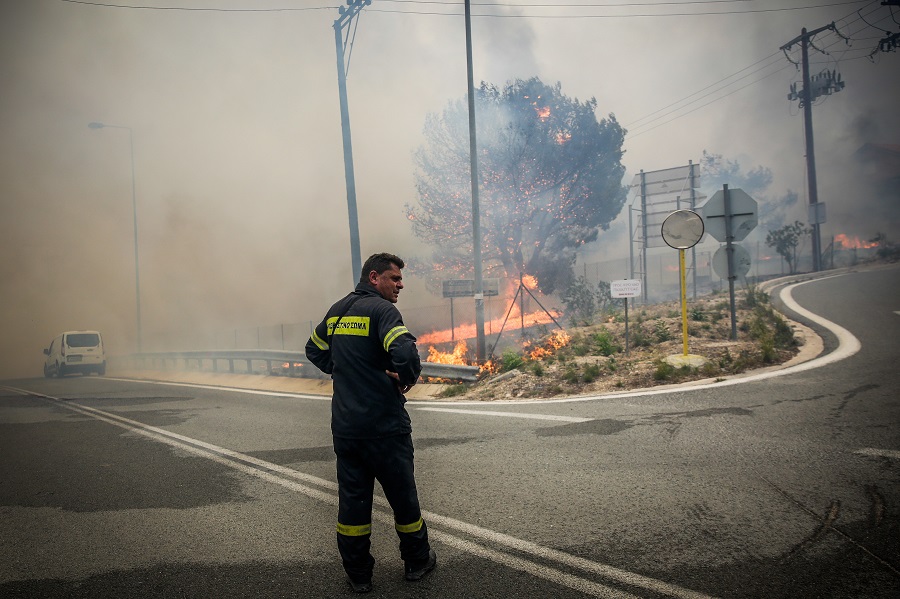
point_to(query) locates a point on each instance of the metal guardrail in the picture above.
(296, 362)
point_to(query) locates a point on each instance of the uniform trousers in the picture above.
(360, 462)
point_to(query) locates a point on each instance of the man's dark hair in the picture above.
(379, 263)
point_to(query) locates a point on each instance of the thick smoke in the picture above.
(238, 162)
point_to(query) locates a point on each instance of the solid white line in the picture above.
(220, 388)
(879, 453)
(848, 345)
(270, 472)
(510, 414)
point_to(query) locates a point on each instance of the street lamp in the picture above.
(137, 275)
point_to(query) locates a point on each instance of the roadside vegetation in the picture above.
(593, 355)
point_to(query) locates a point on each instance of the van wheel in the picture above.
(60, 370)
(46, 372)
(102, 370)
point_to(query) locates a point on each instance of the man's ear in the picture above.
(373, 277)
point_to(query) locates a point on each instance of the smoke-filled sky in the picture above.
(238, 163)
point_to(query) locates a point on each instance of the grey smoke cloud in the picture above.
(238, 158)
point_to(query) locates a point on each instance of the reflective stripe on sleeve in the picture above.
(320, 343)
(393, 334)
(414, 527)
(354, 531)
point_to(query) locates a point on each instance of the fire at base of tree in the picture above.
(592, 358)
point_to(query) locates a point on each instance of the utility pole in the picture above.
(346, 16)
(476, 212)
(824, 83)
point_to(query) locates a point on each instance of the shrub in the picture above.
(591, 373)
(606, 345)
(510, 361)
(537, 369)
(580, 301)
(664, 371)
(784, 334)
(709, 369)
(453, 390)
(754, 297)
(639, 337)
(661, 331)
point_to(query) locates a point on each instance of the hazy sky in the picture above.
(238, 164)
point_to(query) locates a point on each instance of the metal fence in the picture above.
(271, 361)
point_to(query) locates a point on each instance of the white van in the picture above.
(75, 351)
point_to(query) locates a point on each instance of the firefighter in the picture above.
(373, 360)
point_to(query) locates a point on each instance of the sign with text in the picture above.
(466, 287)
(459, 288)
(625, 288)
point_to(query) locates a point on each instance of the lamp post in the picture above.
(137, 275)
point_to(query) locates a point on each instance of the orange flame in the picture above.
(457, 356)
(530, 281)
(468, 331)
(848, 242)
(558, 339)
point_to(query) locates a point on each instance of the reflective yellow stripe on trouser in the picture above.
(414, 527)
(354, 531)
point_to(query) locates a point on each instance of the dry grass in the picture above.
(594, 359)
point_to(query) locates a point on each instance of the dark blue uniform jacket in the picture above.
(370, 339)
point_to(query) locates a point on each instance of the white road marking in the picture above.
(220, 388)
(879, 453)
(281, 475)
(510, 414)
(848, 345)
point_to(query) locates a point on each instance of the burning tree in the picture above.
(550, 181)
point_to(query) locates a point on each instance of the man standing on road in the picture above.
(372, 359)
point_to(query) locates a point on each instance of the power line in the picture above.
(630, 136)
(595, 16)
(497, 5)
(200, 9)
(635, 122)
(876, 3)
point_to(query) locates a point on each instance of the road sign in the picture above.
(466, 287)
(679, 179)
(625, 288)
(743, 214)
(459, 288)
(741, 261)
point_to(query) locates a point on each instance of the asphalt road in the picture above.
(785, 484)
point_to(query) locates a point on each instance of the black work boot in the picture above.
(364, 586)
(418, 570)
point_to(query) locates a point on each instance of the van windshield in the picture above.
(83, 340)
